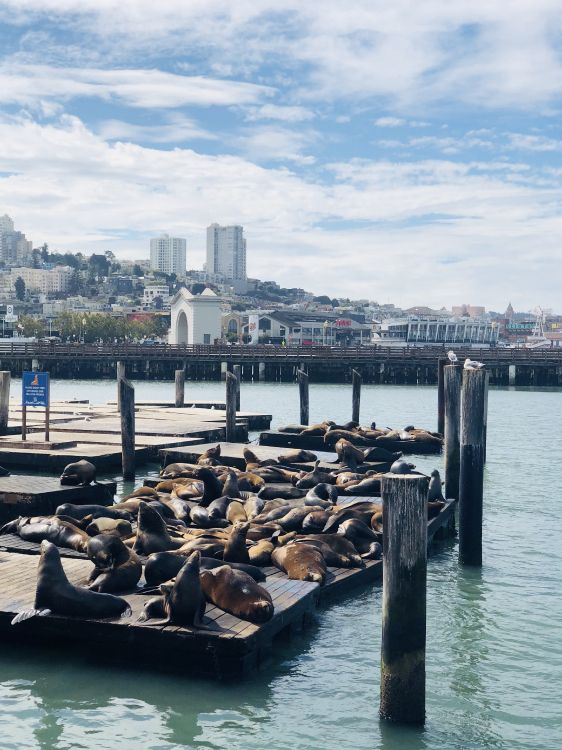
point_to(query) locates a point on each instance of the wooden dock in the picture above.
(227, 648)
(24, 495)
(316, 443)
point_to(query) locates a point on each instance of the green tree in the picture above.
(31, 326)
(45, 253)
(36, 258)
(137, 270)
(19, 286)
(75, 283)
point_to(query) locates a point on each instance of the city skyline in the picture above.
(398, 153)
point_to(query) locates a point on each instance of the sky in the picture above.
(401, 152)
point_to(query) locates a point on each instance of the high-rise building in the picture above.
(226, 252)
(14, 247)
(167, 254)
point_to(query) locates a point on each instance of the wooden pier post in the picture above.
(472, 467)
(303, 396)
(356, 394)
(402, 690)
(485, 426)
(120, 375)
(261, 372)
(452, 381)
(5, 379)
(237, 370)
(224, 370)
(180, 389)
(440, 395)
(230, 407)
(127, 409)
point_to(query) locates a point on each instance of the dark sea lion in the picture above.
(323, 494)
(312, 478)
(292, 521)
(402, 467)
(377, 453)
(293, 429)
(183, 602)
(272, 515)
(117, 568)
(152, 534)
(235, 549)
(332, 557)
(78, 473)
(235, 512)
(339, 544)
(434, 508)
(283, 493)
(315, 521)
(237, 593)
(230, 487)
(359, 534)
(56, 595)
(300, 562)
(332, 437)
(362, 513)
(200, 517)
(163, 566)
(177, 470)
(213, 486)
(435, 487)
(217, 509)
(260, 553)
(96, 511)
(103, 525)
(180, 508)
(262, 531)
(368, 487)
(297, 457)
(55, 530)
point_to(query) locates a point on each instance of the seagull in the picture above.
(452, 356)
(470, 364)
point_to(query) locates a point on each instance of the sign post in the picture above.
(35, 392)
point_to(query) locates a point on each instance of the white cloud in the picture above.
(278, 112)
(389, 122)
(272, 143)
(526, 142)
(175, 130)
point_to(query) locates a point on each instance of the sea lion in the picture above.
(235, 512)
(237, 593)
(190, 490)
(331, 556)
(332, 437)
(359, 534)
(253, 506)
(152, 535)
(183, 602)
(56, 595)
(210, 457)
(230, 487)
(402, 467)
(312, 478)
(292, 521)
(361, 511)
(300, 562)
(217, 509)
(316, 429)
(117, 568)
(96, 511)
(78, 473)
(116, 526)
(434, 508)
(235, 549)
(377, 453)
(435, 492)
(323, 494)
(283, 493)
(368, 487)
(348, 454)
(297, 457)
(315, 521)
(142, 492)
(292, 429)
(177, 470)
(250, 482)
(163, 566)
(260, 553)
(180, 508)
(213, 486)
(55, 530)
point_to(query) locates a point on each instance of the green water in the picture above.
(494, 648)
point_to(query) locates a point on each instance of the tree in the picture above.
(137, 270)
(158, 303)
(36, 258)
(45, 253)
(30, 326)
(98, 266)
(19, 286)
(75, 282)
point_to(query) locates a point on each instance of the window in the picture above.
(206, 338)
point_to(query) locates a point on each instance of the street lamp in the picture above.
(83, 329)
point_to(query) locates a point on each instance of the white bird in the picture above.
(452, 356)
(470, 364)
(87, 419)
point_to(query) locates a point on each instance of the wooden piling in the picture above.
(452, 381)
(472, 467)
(402, 689)
(120, 375)
(127, 402)
(5, 379)
(237, 370)
(485, 426)
(356, 395)
(303, 396)
(441, 362)
(180, 388)
(231, 385)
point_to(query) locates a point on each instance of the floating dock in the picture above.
(227, 647)
(316, 443)
(23, 495)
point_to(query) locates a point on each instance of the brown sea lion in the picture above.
(324, 494)
(370, 486)
(210, 457)
(190, 490)
(235, 512)
(177, 470)
(314, 477)
(292, 521)
(117, 568)
(143, 492)
(152, 534)
(250, 482)
(253, 506)
(315, 521)
(183, 602)
(300, 562)
(230, 486)
(359, 534)
(163, 566)
(260, 553)
(237, 593)
(332, 437)
(297, 457)
(55, 530)
(78, 473)
(283, 493)
(116, 526)
(55, 594)
(332, 558)
(348, 454)
(235, 549)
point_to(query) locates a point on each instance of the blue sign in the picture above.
(35, 389)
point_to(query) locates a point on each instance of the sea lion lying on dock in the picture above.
(152, 534)
(117, 568)
(78, 473)
(95, 511)
(237, 593)
(103, 525)
(61, 533)
(183, 602)
(300, 562)
(297, 457)
(56, 595)
(163, 566)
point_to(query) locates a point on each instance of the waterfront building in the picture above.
(195, 318)
(226, 254)
(472, 311)
(415, 330)
(168, 254)
(298, 328)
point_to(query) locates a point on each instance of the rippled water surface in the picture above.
(494, 657)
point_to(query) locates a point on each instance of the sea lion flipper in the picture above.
(27, 614)
(126, 613)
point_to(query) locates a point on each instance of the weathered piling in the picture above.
(180, 388)
(356, 380)
(120, 375)
(237, 370)
(5, 379)
(485, 426)
(452, 381)
(231, 386)
(402, 689)
(472, 467)
(441, 362)
(127, 402)
(303, 396)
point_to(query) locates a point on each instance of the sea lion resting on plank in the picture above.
(54, 529)
(56, 595)
(181, 603)
(152, 535)
(96, 511)
(237, 593)
(300, 562)
(163, 566)
(117, 568)
(116, 526)
(297, 457)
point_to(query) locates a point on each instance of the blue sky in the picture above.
(402, 152)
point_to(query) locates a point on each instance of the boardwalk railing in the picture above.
(265, 353)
